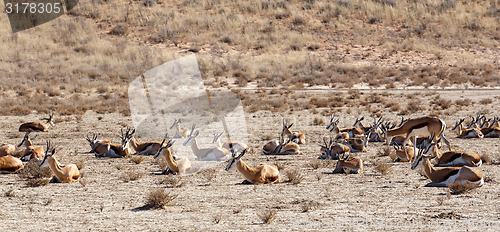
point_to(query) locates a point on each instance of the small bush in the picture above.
(172, 181)
(460, 188)
(136, 159)
(280, 166)
(486, 101)
(159, 198)
(120, 29)
(318, 121)
(32, 171)
(80, 164)
(385, 151)
(294, 176)
(267, 216)
(382, 167)
(486, 159)
(132, 175)
(315, 164)
(308, 205)
(37, 182)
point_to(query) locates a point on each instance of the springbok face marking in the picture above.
(234, 159)
(169, 144)
(45, 161)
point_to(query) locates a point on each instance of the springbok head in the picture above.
(48, 156)
(217, 137)
(327, 149)
(422, 153)
(167, 146)
(333, 123)
(50, 119)
(27, 139)
(458, 123)
(126, 137)
(234, 159)
(192, 136)
(358, 122)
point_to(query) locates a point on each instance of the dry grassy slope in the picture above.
(107, 202)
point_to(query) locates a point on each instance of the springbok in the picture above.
(332, 150)
(333, 127)
(357, 144)
(6, 149)
(492, 130)
(63, 173)
(10, 164)
(205, 154)
(179, 132)
(281, 147)
(230, 146)
(348, 165)
(262, 174)
(452, 158)
(99, 148)
(401, 155)
(296, 137)
(31, 152)
(358, 124)
(38, 126)
(423, 126)
(147, 148)
(442, 176)
(175, 164)
(473, 132)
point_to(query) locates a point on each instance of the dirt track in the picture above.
(350, 202)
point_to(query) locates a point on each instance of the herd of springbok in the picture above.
(415, 140)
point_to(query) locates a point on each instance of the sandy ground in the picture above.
(368, 201)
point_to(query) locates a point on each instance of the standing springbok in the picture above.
(147, 148)
(179, 132)
(473, 132)
(262, 174)
(348, 165)
(296, 137)
(99, 148)
(6, 149)
(38, 126)
(31, 152)
(175, 164)
(205, 154)
(440, 177)
(63, 173)
(333, 127)
(423, 126)
(230, 146)
(10, 164)
(332, 150)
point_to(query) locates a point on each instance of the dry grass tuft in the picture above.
(159, 198)
(460, 188)
(486, 159)
(382, 167)
(34, 175)
(294, 176)
(385, 151)
(280, 165)
(315, 164)
(267, 216)
(132, 175)
(172, 181)
(318, 121)
(80, 164)
(37, 182)
(308, 205)
(136, 159)
(209, 174)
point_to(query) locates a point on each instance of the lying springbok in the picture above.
(332, 150)
(358, 124)
(281, 147)
(442, 176)
(296, 137)
(230, 146)
(401, 155)
(262, 174)
(175, 164)
(473, 132)
(31, 152)
(452, 158)
(492, 130)
(333, 127)
(423, 127)
(38, 126)
(349, 165)
(179, 132)
(10, 164)
(63, 173)
(205, 154)
(99, 148)
(357, 144)
(147, 148)
(6, 149)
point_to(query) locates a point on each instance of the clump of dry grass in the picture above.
(172, 181)
(280, 165)
(486, 159)
(136, 159)
(80, 164)
(486, 101)
(385, 151)
(120, 29)
(315, 164)
(159, 198)
(267, 216)
(34, 175)
(132, 175)
(318, 121)
(209, 174)
(294, 176)
(382, 167)
(460, 187)
(308, 205)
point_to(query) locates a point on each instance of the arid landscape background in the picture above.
(300, 60)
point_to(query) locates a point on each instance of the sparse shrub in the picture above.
(172, 181)
(267, 216)
(443, 103)
(294, 176)
(315, 164)
(486, 159)
(80, 164)
(132, 175)
(37, 182)
(382, 167)
(486, 101)
(209, 174)
(32, 171)
(136, 159)
(120, 29)
(308, 205)
(280, 166)
(464, 102)
(385, 151)
(413, 107)
(318, 121)
(159, 198)
(460, 188)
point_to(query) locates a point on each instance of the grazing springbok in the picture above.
(31, 152)
(473, 132)
(452, 158)
(401, 154)
(262, 174)
(99, 148)
(147, 148)
(7, 149)
(332, 149)
(10, 164)
(230, 146)
(175, 164)
(205, 154)
(333, 127)
(63, 173)
(349, 165)
(296, 137)
(38, 126)
(423, 127)
(440, 177)
(179, 132)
